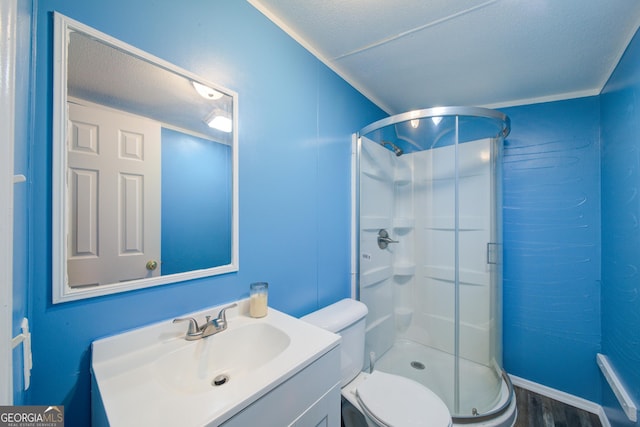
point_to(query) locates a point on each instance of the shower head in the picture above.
(394, 147)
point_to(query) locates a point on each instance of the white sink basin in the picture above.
(153, 376)
(231, 355)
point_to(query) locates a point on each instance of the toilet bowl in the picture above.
(383, 400)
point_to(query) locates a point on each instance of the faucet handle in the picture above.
(193, 329)
(222, 316)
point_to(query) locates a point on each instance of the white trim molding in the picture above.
(8, 22)
(563, 397)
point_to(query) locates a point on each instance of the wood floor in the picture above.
(535, 410)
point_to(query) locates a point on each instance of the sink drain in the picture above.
(220, 380)
(417, 365)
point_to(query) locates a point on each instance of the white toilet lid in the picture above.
(397, 401)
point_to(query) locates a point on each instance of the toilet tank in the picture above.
(346, 318)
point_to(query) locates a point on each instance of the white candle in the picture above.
(258, 305)
(258, 293)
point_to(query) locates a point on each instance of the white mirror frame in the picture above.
(61, 291)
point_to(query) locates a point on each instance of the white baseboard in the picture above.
(563, 397)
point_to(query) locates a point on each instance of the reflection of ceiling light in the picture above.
(220, 120)
(436, 120)
(206, 92)
(415, 123)
(221, 123)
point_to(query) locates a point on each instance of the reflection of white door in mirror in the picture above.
(113, 196)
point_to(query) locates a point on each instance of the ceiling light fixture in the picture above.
(415, 123)
(206, 92)
(220, 120)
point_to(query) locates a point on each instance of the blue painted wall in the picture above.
(552, 245)
(620, 136)
(295, 125)
(572, 240)
(196, 201)
(296, 118)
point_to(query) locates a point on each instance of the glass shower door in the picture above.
(479, 378)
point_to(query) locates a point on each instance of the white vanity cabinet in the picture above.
(279, 371)
(308, 399)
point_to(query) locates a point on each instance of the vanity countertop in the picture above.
(153, 376)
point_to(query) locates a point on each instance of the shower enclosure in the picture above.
(429, 255)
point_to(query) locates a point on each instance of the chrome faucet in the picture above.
(211, 327)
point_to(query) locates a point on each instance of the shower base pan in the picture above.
(434, 369)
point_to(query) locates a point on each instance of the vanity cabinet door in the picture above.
(323, 413)
(308, 399)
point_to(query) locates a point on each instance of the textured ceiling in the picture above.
(411, 54)
(113, 77)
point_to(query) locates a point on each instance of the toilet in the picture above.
(375, 399)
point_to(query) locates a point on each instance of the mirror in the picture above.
(144, 169)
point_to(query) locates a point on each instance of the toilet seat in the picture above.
(396, 401)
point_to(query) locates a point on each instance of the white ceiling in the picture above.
(412, 54)
(107, 72)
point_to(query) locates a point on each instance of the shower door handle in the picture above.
(384, 239)
(492, 253)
